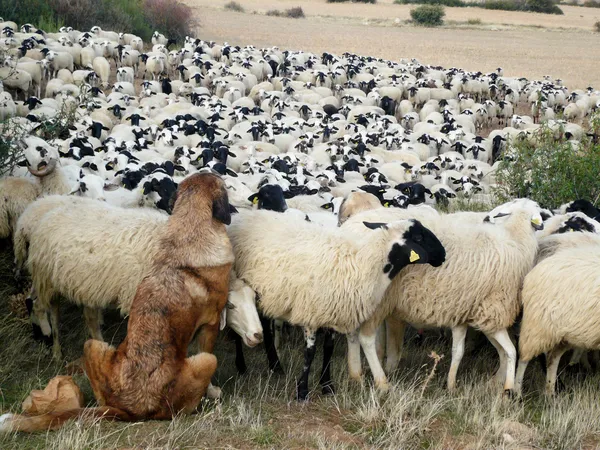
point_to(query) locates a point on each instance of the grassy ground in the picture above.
(258, 409)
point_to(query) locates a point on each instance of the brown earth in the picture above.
(565, 47)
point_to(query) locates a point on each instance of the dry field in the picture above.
(258, 409)
(524, 44)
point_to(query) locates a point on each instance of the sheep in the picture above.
(58, 61)
(8, 108)
(340, 300)
(560, 309)
(455, 296)
(101, 67)
(140, 229)
(16, 79)
(17, 193)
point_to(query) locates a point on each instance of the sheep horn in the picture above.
(45, 171)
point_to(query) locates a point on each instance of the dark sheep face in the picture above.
(270, 197)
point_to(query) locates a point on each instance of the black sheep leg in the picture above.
(328, 344)
(310, 337)
(240, 362)
(274, 363)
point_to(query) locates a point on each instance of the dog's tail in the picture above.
(53, 421)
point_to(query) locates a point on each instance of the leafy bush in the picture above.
(428, 15)
(476, 21)
(451, 3)
(353, 1)
(141, 17)
(550, 172)
(591, 4)
(294, 13)
(542, 6)
(234, 6)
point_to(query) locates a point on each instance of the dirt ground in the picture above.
(523, 44)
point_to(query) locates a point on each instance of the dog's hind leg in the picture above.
(193, 381)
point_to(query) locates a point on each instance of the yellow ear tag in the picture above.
(413, 256)
(255, 200)
(386, 204)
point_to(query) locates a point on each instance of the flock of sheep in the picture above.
(333, 165)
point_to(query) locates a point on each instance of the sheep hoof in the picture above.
(509, 394)
(328, 389)
(382, 386)
(302, 395)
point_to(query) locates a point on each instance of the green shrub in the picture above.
(353, 1)
(543, 6)
(428, 15)
(550, 172)
(451, 3)
(26, 11)
(597, 27)
(592, 4)
(295, 13)
(476, 21)
(234, 6)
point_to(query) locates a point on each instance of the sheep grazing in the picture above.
(560, 309)
(348, 273)
(185, 292)
(478, 286)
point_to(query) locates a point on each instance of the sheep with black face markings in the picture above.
(453, 296)
(348, 277)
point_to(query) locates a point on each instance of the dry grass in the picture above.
(259, 411)
(565, 47)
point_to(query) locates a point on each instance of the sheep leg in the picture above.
(459, 334)
(395, 328)
(328, 344)
(367, 338)
(54, 312)
(380, 341)
(310, 337)
(277, 330)
(354, 366)
(274, 363)
(520, 375)
(93, 320)
(501, 372)
(240, 362)
(511, 358)
(552, 361)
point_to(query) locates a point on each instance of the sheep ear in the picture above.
(497, 216)
(223, 320)
(375, 225)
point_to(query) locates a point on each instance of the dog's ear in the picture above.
(220, 208)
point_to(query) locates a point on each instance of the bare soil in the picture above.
(523, 44)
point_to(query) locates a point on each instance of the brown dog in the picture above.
(149, 375)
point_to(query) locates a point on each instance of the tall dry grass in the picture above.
(259, 410)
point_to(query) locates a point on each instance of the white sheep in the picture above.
(478, 286)
(348, 274)
(102, 68)
(560, 309)
(45, 244)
